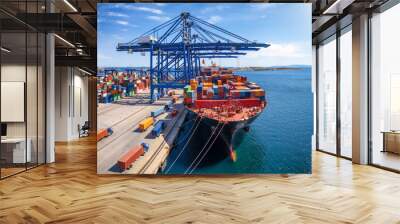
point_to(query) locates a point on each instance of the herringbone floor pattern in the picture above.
(70, 191)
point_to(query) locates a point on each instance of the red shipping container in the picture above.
(237, 83)
(131, 156)
(187, 100)
(102, 133)
(252, 102)
(221, 93)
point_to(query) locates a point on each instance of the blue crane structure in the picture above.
(129, 70)
(175, 54)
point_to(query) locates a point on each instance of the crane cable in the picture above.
(184, 147)
(212, 134)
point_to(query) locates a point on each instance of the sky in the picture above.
(286, 27)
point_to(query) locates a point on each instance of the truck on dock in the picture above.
(125, 162)
(158, 128)
(146, 123)
(103, 133)
(146, 146)
(157, 112)
(169, 105)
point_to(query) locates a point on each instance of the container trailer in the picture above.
(125, 162)
(157, 112)
(146, 123)
(158, 128)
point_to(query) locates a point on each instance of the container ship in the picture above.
(222, 104)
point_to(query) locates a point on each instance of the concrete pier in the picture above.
(124, 117)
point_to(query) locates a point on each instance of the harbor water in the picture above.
(279, 140)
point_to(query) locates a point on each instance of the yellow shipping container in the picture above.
(146, 123)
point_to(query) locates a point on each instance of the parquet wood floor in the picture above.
(70, 191)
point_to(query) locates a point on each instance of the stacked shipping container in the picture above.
(219, 86)
(114, 86)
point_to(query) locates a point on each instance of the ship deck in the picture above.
(225, 115)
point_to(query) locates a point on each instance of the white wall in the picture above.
(62, 82)
(71, 102)
(81, 81)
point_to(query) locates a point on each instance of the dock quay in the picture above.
(123, 117)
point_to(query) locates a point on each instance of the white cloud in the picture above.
(278, 50)
(129, 6)
(159, 18)
(146, 9)
(124, 23)
(160, 4)
(102, 56)
(117, 37)
(214, 19)
(115, 14)
(262, 6)
(214, 8)
(278, 54)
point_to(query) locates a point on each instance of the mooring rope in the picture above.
(184, 147)
(208, 149)
(188, 133)
(212, 134)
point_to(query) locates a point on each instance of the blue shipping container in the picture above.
(215, 90)
(216, 97)
(158, 128)
(157, 112)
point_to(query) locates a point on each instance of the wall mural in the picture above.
(188, 88)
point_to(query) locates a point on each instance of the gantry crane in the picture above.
(177, 46)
